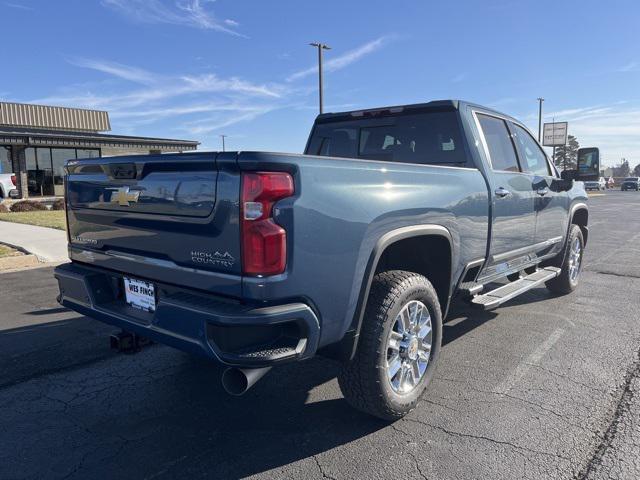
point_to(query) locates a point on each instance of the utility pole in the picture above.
(223, 137)
(553, 122)
(320, 47)
(540, 100)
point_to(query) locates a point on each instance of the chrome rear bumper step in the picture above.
(497, 297)
(469, 289)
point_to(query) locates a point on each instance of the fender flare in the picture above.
(572, 211)
(350, 341)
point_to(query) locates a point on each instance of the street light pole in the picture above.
(540, 100)
(320, 47)
(223, 137)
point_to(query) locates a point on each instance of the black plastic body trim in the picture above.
(181, 321)
(347, 347)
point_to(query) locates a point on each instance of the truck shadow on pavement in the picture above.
(162, 413)
(159, 412)
(463, 318)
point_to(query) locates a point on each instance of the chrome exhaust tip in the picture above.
(236, 381)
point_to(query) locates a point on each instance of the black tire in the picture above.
(563, 283)
(363, 380)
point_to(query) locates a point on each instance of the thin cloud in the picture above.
(176, 85)
(630, 67)
(611, 128)
(158, 113)
(212, 83)
(212, 124)
(189, 13)
(126, 72)
(19, 6)
(203, 102)
(342, 61)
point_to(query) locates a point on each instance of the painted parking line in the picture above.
(525, 365)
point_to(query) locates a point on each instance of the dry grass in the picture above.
(48, 218)
(7, 251)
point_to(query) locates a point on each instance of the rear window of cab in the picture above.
(433, 138)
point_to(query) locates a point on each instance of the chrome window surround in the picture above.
(507, 120)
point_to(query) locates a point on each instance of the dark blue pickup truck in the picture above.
(354, 250)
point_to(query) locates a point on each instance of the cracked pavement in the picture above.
(498, 407)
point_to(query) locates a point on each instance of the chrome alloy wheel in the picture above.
(575, 259)
(409, 347)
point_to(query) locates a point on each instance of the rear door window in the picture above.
(501, 150)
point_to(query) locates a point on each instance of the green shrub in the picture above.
(28, 206)
(58, 204)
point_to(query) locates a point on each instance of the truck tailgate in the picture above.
(171, 218)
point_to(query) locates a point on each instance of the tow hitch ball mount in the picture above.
(127, 342)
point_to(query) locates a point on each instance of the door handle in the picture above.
(502, 192)
(542, 191)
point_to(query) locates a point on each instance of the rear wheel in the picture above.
(571, 265)
(398, 349)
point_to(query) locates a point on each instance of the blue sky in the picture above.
(195, 69)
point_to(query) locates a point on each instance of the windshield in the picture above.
(430, 137)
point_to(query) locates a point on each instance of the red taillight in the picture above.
(13, 180)
(264, 242)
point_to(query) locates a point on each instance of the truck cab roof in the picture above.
(450, 104)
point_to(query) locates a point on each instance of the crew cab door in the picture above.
(513, 219)
(551, 205)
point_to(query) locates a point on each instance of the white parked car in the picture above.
(600, 184)
(8, 185)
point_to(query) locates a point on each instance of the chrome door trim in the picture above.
(521, 251)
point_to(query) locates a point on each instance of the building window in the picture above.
(45, 168)
(59, 157)
(5, 160)
(44, 174)
(87, 153)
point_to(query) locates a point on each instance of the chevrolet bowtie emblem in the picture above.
(123, 196)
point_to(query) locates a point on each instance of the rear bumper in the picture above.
(230, 332)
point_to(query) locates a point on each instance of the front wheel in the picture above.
(399, 346)
(571, 265)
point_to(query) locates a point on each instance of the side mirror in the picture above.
(567, 174)
(588, 167)
(562, 185)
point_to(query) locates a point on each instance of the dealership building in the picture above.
(36, 141)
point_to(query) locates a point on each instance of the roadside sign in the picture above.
(554, 134)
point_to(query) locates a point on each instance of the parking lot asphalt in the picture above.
(543, 387)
